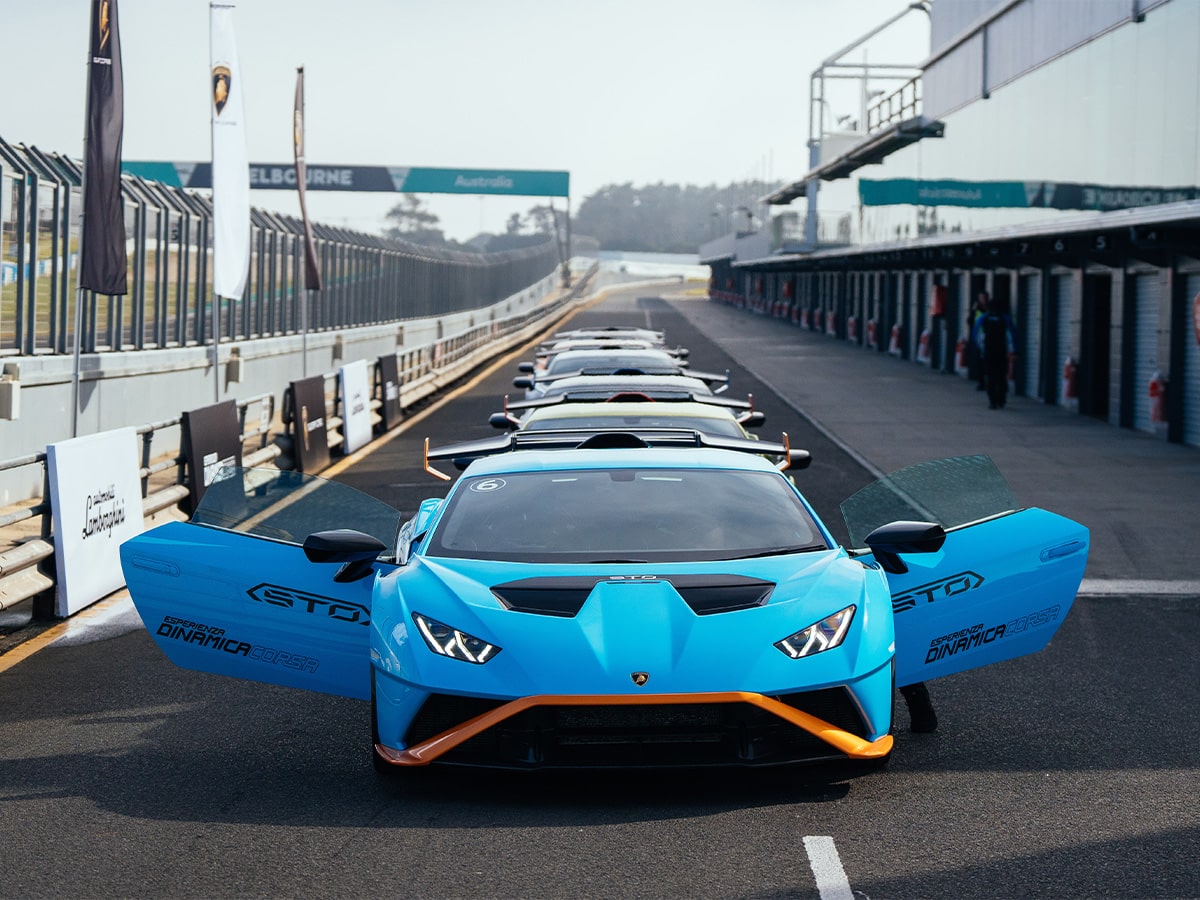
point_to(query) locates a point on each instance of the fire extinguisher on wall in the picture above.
(1070, 389)
(960, 356)
(894, 341)
(1158, 398)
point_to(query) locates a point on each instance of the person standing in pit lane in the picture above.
(974, 357)
(996, 339)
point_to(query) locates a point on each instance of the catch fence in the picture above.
(368, 279)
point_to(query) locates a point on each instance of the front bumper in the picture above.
(731, 728)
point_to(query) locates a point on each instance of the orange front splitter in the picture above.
(427, 751)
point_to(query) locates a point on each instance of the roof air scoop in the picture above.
(612, 440)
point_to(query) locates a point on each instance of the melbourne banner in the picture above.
(104, 260)
(230, 170)
(382, 179)
(1017, 194)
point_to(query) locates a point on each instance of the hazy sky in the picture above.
(610, 90)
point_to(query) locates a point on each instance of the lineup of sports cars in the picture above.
(625, 576)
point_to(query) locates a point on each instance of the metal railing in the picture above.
(368, 279)
(900, 105)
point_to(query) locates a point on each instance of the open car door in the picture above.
(233, 592)
(1000, 585)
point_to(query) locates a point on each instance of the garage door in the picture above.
(1063, 320)
(1145, 335)
(1029, 332)
(1191, 364)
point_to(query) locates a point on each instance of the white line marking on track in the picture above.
(832, 883)
(1109, 587)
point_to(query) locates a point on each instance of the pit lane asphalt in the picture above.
(1069, 773)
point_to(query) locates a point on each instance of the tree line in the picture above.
(652, 218)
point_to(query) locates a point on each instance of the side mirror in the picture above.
(523, 382)
(526, 367)
(355, 550)
(504, 421)
(752, 419)
(681, 352)
(888, 541)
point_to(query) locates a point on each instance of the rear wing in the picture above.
(709, 378)
(606, 330)
(506, 419)
(632, 343)
(463, 454)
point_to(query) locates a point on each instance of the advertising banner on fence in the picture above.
(211, 440)
(96, 503)
(389, 391)
(308, 426)
(355, 384)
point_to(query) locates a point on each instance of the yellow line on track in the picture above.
(26, 649)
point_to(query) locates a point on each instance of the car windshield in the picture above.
(624, 515)
(708, 424)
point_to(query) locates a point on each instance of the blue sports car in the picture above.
(632, 599)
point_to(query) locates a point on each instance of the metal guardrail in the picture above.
(423, 372)
(426, 370)
(900, 105)
(20, 567)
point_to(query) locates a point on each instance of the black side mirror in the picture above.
(523, 382)
(503, 420)
(526, 367)
(355, 550)
(887, 541)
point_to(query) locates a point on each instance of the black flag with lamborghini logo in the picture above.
(102, 268)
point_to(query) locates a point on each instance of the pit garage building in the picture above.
(1046, 152)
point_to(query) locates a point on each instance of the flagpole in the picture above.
(312, 274)
(77, 337)
(216, 300)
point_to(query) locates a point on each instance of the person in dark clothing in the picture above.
(922, 718)
(974, 357)
(995, 337)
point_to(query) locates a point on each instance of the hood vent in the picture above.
(564, 596)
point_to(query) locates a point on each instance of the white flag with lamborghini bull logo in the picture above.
(230, 165)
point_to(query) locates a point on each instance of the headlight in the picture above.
(824, 635)
(446, 641)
